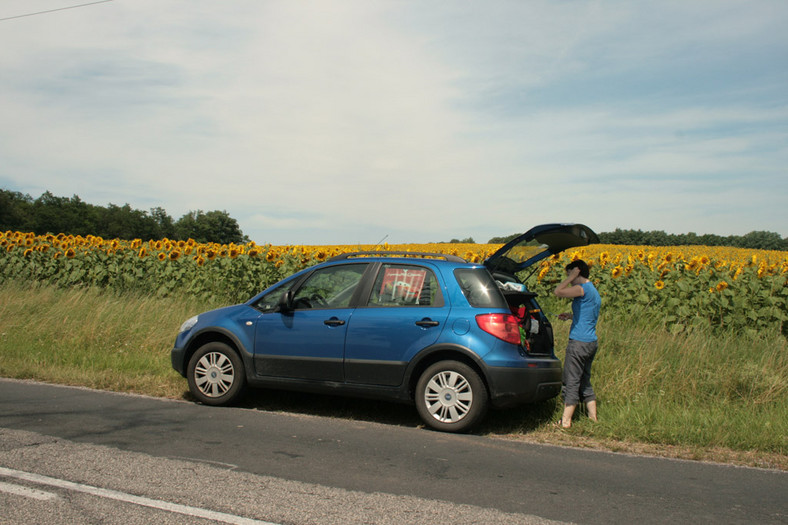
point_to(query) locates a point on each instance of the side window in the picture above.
(405, 285)
(330, 287)
(270, 301)
(479, 288)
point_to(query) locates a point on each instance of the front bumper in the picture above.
(177, 359)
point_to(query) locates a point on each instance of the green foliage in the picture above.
(503, 240)
(213, 226)
(72, 216)
(686, 296)
(758, 240)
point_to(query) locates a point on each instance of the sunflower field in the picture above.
(686, 286)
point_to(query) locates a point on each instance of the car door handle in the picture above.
(427, 322)
(333, 322)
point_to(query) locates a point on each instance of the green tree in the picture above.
(165, 226)
(15, 211)
(503, 240)
(763, 240)
(213, 226)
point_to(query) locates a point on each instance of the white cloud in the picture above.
(343, 122)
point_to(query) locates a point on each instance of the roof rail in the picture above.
(349, 255)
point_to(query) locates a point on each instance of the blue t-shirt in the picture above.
(585, 312)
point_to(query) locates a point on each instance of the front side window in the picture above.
(330, 287)
(405, 285)
(270, 301)
(479, 288)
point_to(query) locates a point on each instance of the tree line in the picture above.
(758, 240)
(51, 214)
(72, 216)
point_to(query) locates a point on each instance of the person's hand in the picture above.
(564, 317)
(573, 273)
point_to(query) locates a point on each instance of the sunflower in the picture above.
(617, 271)
(210, 254)
(721, 286)
(142, 253)
(162, 256)
(70, 253)
(174, 255)
(659, 285)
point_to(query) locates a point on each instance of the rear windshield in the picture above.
(479, 288)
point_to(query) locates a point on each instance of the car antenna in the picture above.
(380, 241)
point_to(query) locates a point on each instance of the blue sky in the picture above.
(348, 122)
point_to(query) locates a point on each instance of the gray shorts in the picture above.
(577, 372)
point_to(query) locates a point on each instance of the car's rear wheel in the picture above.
(216, 374)
(451, 397)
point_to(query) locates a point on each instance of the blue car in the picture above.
(451, 336)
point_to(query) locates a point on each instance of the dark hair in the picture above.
(579, 263)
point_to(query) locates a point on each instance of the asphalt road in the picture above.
(60, 447)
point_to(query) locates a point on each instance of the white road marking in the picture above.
(19, 490)
(130, 498)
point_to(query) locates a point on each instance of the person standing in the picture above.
(582, 346)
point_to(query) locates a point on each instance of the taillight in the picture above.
(502, 326)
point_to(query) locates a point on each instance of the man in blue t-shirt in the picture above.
(582, 345)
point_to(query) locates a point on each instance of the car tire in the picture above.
(216, 374)
(451, 397)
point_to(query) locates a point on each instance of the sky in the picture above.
(358, 122)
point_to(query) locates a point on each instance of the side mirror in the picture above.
(286, 301)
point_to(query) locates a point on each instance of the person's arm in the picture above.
(568, 290)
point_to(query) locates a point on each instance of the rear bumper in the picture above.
(514, 386)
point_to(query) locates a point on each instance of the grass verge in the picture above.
(695, 395)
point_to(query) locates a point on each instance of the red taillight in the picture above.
(502, 326)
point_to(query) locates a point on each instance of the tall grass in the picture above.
(91, 337)
(698, 389)
(701, 388)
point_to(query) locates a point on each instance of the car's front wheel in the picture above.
(450, 396)
(216, 374)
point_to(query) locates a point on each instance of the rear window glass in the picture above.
(479, 288)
